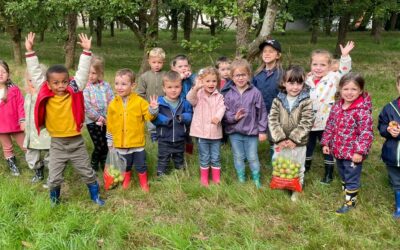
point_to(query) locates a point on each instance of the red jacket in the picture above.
(349, 131)
(78, 106)
(12, 111)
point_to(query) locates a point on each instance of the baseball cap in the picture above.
(271, 42)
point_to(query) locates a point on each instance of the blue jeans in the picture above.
(245, 147)
(209, 152)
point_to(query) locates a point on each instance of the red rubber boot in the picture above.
(216, 175)
(143, 181)
(127, 179)
(204, 176)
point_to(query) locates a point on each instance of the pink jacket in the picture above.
(12, 111)
(205, 107)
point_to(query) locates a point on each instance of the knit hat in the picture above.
(271, 42)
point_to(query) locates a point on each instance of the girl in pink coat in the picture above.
(208, 106)
(12, 117)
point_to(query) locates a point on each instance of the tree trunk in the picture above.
(314, 31)
(99, 31)
(261, 14)
(242, 30)
(70, 43)
(328, 25)
(15, 34)
(42, 35)
(393, 21)
(153, 20)
(187, 23)
(91, 25)
(266, 30)
(213, 26)
(342, 32)
(112, 33)
(174, 24)
(83, 20)
(376, 29)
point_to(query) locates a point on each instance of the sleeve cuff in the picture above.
(30, 54)
(87, 52)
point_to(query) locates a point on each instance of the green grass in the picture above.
(178, 213)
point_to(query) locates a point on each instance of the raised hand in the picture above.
(198, 84)
(240, 114)
(346, 49)
(29, 41)
(85, 42)
(153, 102)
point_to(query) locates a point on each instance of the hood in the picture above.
(304, 94)
(362, 102)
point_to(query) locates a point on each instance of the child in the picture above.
(34, 143)
(98, 94)
(150, 82)
(209, 110)
(60, 108)
(223, 65)
(291, 117)
(323, 84)
(181, 64)
(389, 120)
(269, 74)
(348, 135)
(174, 117)
(12, 117)
(335, 65)
(245, 120)
(126, 118)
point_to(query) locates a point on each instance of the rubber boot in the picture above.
(256, 178)
(216, 174)
(55, 196)
(12, 165)
(396, 213)
(143, 181)
(343, 187)
(241, 176)
(39, 176)
(94, 193)
(204, 176)
(350, 202)
(328, 176)
(127, 179)
(307, 165)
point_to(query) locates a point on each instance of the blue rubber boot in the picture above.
(350, 203)
(94, 193)
(241, 176)
(55, 196)
(396, 213)
(256, 178)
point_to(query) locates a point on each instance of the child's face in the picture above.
(270, 55)
(181, 66)
(334, 67)
(3, 75)
(156, 63)
(93, 76)
(293, 89)
(224, 70)
(320, 66)
(172, 89)
(58, 83)
(350, 92)
(240, 77)
(210, 83)
(124, 85)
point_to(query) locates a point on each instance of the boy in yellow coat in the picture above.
(126, 117)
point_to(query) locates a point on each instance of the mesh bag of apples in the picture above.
(286, 168)
(114, 169)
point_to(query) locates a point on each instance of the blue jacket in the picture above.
(172, 124)
(391, 147)
(187, 85)
(268, 85)
(228, 85)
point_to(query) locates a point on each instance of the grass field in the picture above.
(178, 213)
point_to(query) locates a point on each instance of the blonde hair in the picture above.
(278, 62)
(126, 72)
(322, 52)
(97, 62)
(156, 52)
(241, 64)
(209, 71)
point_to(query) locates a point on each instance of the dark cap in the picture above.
(270, 42)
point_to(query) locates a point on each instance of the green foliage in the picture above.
(204, 48)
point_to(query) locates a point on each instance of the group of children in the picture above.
(290, 108)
